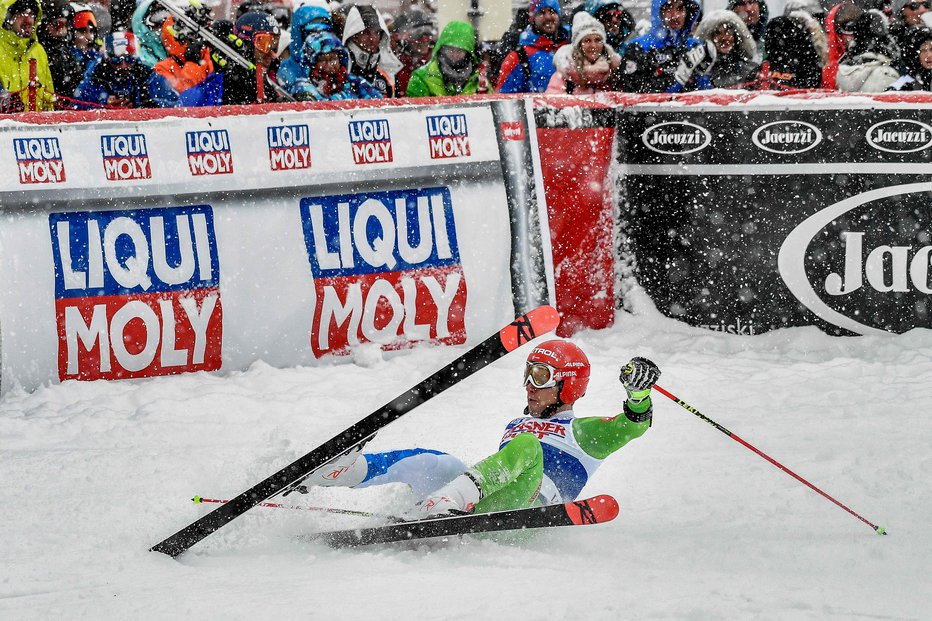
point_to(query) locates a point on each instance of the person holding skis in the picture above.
(545, 456)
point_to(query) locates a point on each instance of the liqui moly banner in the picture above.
(142, 248)
(136, 292)
(386, 268)
(752, 219)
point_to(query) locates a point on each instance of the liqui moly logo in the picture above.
(125, 157)
(448, 136)
(371, 141)
(39, 160)
(386, 269)
(289, 147)
(869, 271)
(787, 137)
(209, 152)
(676, 137)
(900, 136)
(136, 292)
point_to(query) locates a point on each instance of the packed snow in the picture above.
(96, 473)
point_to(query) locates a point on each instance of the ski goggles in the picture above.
(266, 42)
(539, 375)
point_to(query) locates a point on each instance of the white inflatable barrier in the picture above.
(179, 244)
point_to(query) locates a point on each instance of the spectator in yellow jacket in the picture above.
(18, 44)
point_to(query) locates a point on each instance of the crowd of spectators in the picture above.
(165, 53)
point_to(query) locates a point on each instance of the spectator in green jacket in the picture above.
(453, 68)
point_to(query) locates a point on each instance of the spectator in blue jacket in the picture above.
(307, 19)
(528, 68)
(328, 69)
(651, 61)
(119, 79)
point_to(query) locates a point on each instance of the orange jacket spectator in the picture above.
(179, 69)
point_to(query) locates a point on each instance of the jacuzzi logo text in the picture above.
(448, 136)
(371, 141)
(136, 292)
(209, 152)
(125, 157)
(39, 160)
(289, 147)
(386, 269)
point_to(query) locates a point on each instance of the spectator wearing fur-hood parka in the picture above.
(369, 44)
(916, 59)
(588, 65)
(796, 52)
(867, 65)
(755, 14)
(735, 49)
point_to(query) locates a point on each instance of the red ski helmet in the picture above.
(570, 367)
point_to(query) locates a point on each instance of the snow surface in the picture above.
(95, 473)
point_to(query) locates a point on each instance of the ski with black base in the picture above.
(595, 510)
(522, 330)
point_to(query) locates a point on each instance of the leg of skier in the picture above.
(424, 470)
(508, 479)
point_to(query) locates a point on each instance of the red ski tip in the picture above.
(529, 326)
(595, 510)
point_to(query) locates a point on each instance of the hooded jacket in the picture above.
(867, 66)
(312, 89)
(428, 81)
(737, 68)
(151, 50)
(379, 71)
(574, 73)
(140, 84)
(796, 52)
(651, 60)
(15, 53)
(307, 19)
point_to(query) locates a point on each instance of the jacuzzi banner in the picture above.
(750, 219)
(176, 245)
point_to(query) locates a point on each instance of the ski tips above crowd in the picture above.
(56, 54)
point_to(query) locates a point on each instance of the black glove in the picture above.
(192, 52)
(638, 377)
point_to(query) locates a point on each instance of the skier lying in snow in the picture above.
(545, 457)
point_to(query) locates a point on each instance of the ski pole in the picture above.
(274, 505)
(877, 529)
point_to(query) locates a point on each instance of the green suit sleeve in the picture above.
(600, 437)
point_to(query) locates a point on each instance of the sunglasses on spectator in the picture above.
(122, 60)
(914, 6)
(539, 375)
(265, 42)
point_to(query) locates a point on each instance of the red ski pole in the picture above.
(877, 529)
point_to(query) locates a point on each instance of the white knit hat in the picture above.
(584, 24)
